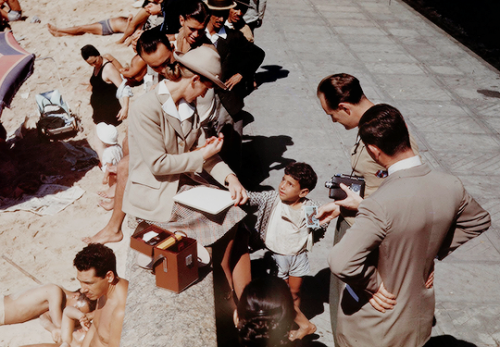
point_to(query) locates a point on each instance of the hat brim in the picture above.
(215, 8)
(207, 74)
(241, 3)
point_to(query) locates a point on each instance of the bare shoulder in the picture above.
(121, 291)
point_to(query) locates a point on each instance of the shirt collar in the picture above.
(185, 110)
(221, 33)
(404, 164)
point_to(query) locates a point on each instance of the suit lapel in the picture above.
(174, 122)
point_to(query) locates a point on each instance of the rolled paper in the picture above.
(169, 241)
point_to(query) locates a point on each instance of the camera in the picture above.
(356, 184)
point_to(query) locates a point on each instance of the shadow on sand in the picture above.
(28, 163)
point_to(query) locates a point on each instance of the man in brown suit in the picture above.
(386, 258)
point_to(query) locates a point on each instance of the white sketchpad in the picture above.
(205, 199)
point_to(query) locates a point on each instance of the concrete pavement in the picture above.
(450, 99)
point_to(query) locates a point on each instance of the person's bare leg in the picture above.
(305, 326)
(240, 262)
(236, 262)
(112, 232)
(94, 28)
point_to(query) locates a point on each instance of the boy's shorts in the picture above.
(292, 265)
(14, 15)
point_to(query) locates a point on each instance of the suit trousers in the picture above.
(336, 285)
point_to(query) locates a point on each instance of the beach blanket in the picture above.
(48, 200)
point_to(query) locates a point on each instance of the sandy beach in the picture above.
(44, 246)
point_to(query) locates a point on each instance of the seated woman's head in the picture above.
(201, 66)
(265, 313)
(193, 20)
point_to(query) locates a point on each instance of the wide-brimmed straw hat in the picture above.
(107, 133)
(220, 5)
(204, 61)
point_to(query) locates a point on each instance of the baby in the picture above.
(112, 153)
(47, 302)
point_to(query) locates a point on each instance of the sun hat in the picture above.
(107, 133)
(220, 5)
(204, 61)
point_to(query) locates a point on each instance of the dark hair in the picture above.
(91, 303)
(149, 41)
(339, 88)
(197, 10)
(265, 313)
(303, 173)
(98, 257)
(383, 126)
(89, 51)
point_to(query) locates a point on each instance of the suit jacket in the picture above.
(237, 55)
(415, 215)
(160, 151)
(364, 166)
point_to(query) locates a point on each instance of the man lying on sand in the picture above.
(47, 302)
(105, 27)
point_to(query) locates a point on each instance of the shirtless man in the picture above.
(47, 302)
(96, 271)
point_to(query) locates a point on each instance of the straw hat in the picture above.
(204, 61)
(220, 5)
(107, 133)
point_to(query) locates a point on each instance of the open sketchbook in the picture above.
(205, 199)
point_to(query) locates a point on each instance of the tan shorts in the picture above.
(2, 310)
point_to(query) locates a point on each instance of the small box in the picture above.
(146, 247)
(176, 267)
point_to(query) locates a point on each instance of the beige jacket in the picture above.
(160, 151)
(415, 215)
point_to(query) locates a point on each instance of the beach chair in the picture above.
(56, 120)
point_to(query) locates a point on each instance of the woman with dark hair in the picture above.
(193, 20)
(265, 313)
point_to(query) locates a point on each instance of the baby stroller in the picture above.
(56, 120)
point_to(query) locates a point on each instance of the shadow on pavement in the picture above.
(261, 155)
(447, 341)
(273, 73)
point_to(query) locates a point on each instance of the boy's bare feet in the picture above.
(302, 331)
(107, 204)
(106, 235)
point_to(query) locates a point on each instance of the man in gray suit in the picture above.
(386, 258)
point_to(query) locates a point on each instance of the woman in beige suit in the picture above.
(168, 149)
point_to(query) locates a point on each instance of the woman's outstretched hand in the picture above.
(238, 193)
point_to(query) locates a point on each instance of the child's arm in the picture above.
(105, 178)
(70, 315)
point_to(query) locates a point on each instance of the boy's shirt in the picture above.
(285, 234)
(267, 203)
